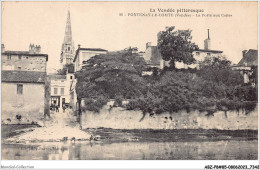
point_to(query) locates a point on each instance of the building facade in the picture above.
(84, 54)
(60, 89)
(201, 54)
(24, 97)
(67, 48)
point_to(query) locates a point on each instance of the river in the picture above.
(98, 150)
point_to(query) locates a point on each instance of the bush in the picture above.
(94, 104)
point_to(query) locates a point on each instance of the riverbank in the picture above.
(61, 127)
(145, 135)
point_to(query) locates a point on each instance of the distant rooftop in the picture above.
(87, 49)
(250, 58)
(212, 51)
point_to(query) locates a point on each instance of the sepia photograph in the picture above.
(137, 80)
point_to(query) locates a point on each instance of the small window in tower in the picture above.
(19, 68)
(20, 57)
(208, 54)
(197, 53)
(71, 77)
(68, 48)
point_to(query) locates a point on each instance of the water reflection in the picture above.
(220, 150)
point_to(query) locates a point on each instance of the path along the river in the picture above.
(61, 126)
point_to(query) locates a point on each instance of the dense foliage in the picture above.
(111, 76)
(118, 76)
(175, 91)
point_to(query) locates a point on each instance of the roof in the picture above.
(249, 58)
(88, 49)
(24, 53)
(23, 76)
(55, 77)
(212, 51)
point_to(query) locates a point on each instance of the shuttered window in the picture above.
(55, 90)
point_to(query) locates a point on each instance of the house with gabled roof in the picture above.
(247, 65)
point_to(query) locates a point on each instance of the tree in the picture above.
(109, 76)
(176, 46)
(218, 70)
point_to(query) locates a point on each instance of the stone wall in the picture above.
(30, 104)
(119, 118)
(26, 63)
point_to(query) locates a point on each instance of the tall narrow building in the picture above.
(67, 48)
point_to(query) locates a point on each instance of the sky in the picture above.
(98, 25)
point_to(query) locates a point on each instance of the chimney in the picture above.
(207, 43)
(38, 49)
(31, 49)
(148, 44)
(2, 48)
(244, 53)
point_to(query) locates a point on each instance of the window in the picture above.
(19, 89)
(62, 91)
(19, 57)
(9, 57)
(26, 57)
(197, 53)
(71, 77)
(55, 90)
(208, 54)
(19, 68)
(68, 48)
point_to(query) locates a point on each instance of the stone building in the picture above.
(67, 48)
(247, 65)
(24, 85)
(31, 60)
(60, 89)
(152, 55)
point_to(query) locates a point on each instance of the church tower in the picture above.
(67, 48)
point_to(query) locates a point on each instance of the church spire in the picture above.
(67, 48)
(68, 33)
